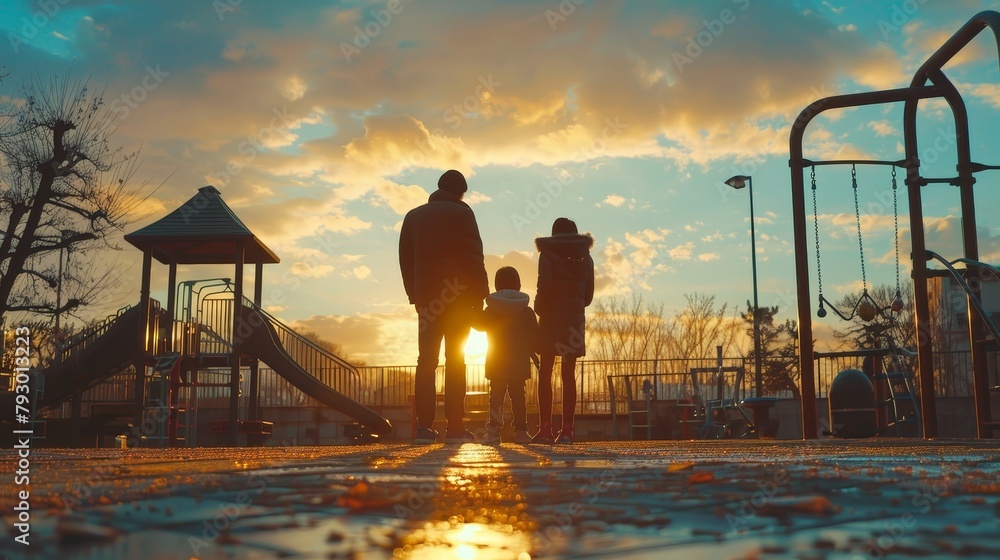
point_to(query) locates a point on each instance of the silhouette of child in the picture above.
(510, 327)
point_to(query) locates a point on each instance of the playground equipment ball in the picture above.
(821, 312)
(867, 311)
(897, 305)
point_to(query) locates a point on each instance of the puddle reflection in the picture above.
(480, 514)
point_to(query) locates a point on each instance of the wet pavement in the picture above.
(631, 500)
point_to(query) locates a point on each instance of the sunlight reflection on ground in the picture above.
(480, 514)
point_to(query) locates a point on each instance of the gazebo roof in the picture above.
(203, 230)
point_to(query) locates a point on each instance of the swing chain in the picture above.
(895, 229)
(857, 215)
(819, 268)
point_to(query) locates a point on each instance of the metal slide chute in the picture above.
(260, 339)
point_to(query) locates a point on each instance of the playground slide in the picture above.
(101, 359)
(263, 342)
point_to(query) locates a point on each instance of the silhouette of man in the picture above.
(441, 260)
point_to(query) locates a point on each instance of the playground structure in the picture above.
(179, 354)
(929, 82)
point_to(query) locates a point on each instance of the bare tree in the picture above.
(44, 344)
(622, 329)
(331, 347)
(700, 327)
(634, 329)
(779, 351)
(63, 191)
(901, 325)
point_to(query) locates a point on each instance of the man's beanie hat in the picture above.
(453, 182)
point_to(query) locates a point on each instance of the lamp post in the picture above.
(738, 182)
(64, 235)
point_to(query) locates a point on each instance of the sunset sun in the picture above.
(475, 348)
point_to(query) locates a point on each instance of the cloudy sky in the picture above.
(322, 123)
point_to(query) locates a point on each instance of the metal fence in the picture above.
(671, 378)
(392, 386)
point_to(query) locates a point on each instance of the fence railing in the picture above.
(392, 386)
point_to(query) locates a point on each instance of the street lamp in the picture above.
(65, 234)
(738, 182)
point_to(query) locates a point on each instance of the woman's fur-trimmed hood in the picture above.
(565, 242)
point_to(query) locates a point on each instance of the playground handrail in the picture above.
(80, 340)
(978, 305)
(218, 338)
(281, 327)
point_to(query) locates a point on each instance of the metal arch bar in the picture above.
(796, 163)
(956, 43)
(931, 71)
(897, 163)
(977, 167)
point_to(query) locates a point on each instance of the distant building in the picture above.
(950, 332)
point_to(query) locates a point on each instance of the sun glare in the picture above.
(475, 348)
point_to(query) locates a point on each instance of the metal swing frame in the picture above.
(929, 82)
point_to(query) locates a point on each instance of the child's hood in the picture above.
(507, 301)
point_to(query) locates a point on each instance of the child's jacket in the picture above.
(510, 327)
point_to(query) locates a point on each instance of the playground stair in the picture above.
(170, 417)
(639, 413)
(902, 411)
